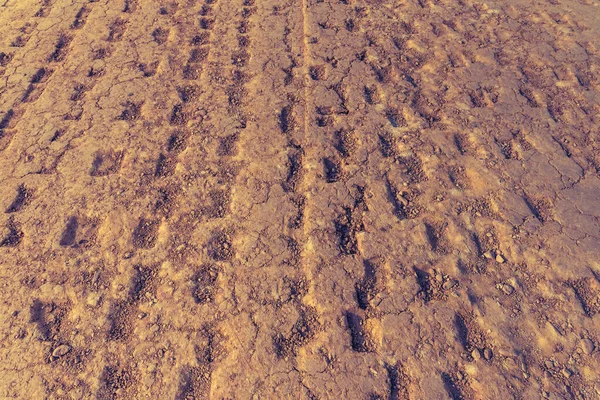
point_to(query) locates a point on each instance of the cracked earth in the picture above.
(306, 199)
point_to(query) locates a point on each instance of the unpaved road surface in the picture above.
(300, 199)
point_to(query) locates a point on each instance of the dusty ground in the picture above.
(312, 199)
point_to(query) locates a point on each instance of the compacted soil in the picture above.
(299, 199)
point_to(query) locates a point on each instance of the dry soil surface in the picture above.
(299, 199)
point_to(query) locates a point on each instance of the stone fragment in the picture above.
(61, 350)
(487, 354)
(587, 346)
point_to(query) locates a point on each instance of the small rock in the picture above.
(487, 354)
(500, 259)
(61, 350)
(476, 354)
(487, 254)
(587, 346)
(567, 373)
(506, 288)
(449, 284)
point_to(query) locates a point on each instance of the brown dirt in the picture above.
(313, 199)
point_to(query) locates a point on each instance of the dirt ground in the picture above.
(300, 199)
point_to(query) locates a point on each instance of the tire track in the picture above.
(22, 58)
(257, 190)
(162, 194)
(21, 41)
(201, 270)
(78, 236)
(38, 82)
(220, 71)
(343, 178)
(177, 205)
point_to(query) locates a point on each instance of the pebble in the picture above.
(93, 300)
(487, 254)
(476, 354)
(449, 284)
(567, 373)
(587, 346)
(500, 259)
(506, 288)
(61, 350)
(487, 354)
